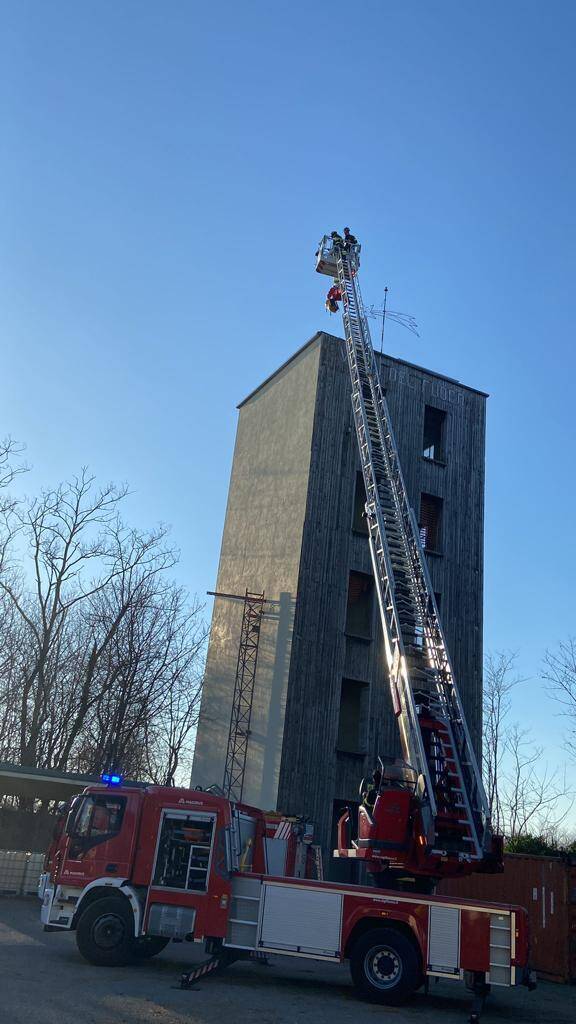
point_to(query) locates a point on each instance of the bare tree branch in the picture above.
(10, 450)
(534, 799)
(560, 675)
(496, 704)
(524, 794)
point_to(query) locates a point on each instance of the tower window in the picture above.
(359, 522)
(353, 716)
(430, 522)
(433, 441)
(360, 603)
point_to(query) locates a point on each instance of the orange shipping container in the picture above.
(546, 886)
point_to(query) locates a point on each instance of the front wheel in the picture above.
(105, 932)
(385, 966)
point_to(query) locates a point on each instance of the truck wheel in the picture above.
(105, 932)
(385, 966)
(149, 946)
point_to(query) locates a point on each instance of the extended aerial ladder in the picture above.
(428, 815)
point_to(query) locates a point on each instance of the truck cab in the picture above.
(137, 866)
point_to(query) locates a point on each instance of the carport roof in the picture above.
(41, 783)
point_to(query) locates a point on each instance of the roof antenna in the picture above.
(383, 319)
(404, 319)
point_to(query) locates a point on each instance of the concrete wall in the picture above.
(260, 551)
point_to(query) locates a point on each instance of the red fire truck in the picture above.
(137, 866)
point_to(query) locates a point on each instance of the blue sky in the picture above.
(166, 171)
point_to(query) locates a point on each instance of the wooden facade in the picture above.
(336, 712)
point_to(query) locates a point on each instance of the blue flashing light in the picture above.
(111, 779)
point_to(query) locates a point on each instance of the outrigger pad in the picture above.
(207, 967)
(221, 959)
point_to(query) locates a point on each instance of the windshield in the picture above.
(94, 819)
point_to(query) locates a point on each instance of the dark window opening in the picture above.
(433, 443)
(353, 718)
(430, 522)
(184, 852)
(360, 602)
(359, 521)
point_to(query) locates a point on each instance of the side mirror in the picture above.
(72, 816)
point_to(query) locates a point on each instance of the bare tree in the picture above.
(169, 743)
(560, 674)
(534, 799)
(95, 635)
(13, 639)
(524, 794)
(67, 534)
(499, 681)
(143, 721)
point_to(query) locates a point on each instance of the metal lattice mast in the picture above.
(239, 733)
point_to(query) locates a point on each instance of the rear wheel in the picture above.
(385, 966)
(105, 932)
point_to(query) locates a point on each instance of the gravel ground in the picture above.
(43, 980)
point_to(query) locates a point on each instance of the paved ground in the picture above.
(43, 980)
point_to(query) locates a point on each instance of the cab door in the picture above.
(99, 838)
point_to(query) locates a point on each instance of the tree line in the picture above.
(102, 652)
(529, 802)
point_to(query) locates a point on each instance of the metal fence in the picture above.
(19, 872)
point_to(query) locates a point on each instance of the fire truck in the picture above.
(133, 867)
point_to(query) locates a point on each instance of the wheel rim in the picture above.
(108, 931)
(383, 967)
